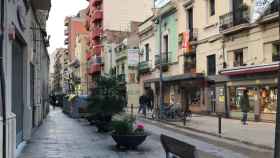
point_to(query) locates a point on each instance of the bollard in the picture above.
(220, 124)
(131, 110)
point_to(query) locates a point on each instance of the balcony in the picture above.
(121, 77)
(96, 2)
(88, 55)
(190, 63)
(272, 13)
(66, 41)
(98, 15)
(165, 60)
(66, 32)
(94, 69)
(144, 66)
(273, 8)
(66, 21)
(235, 21)
(41, 5)
(97, 32)
(97, 49)
(193, 33)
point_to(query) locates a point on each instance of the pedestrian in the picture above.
(141, 103)
(245, 106)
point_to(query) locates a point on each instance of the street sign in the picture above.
(260, 6)
(133, 57)
(160, 3)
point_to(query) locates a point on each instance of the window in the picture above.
(275, 52)
(238, 58)
(147, 51)
(212, 7)
(211, 65)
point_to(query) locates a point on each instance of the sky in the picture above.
(55, 24)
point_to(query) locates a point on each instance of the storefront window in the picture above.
(235, 96)
(268, 99)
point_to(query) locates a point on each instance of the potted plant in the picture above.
(128, 134)
(107, 99)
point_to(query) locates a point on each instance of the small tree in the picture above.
(107, 99)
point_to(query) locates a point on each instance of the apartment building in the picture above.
(60, 82)
(25, 64)
(81, 49)
(111, 16)
(73, 26)
(211, 53)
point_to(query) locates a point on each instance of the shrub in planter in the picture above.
(127, 134)
(107, 99)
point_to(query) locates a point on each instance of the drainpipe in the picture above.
(2, 78)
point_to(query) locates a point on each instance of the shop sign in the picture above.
(133, 57)
(260, 6)
(221, 99)
(160, 3)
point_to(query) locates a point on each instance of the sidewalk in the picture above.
(255, 133)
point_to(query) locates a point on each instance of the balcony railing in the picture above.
(98, 15)
(95, 2)
(144, 66)
(165, 58)
(235, 18)
(97, 32)
(66, 41)
(66, 32)
(190, 63)
(94, 68)
(193, 33)
(97, 49)
(121, 77)
(273, 8)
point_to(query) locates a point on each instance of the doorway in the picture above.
(17, 87)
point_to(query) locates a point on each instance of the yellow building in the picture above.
(81, 49)
(225, 54)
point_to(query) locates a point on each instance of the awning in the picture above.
(184, 77)
(252, 69)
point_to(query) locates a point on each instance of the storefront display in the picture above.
(268, 99)
(235, 94)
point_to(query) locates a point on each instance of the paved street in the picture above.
(257, 133)
(63, 137)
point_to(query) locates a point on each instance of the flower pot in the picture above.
(129, 141)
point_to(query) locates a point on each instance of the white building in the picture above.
(26, 67)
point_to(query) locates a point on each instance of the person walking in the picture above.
(141, 103)
(245, 106)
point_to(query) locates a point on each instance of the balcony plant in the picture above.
(126, 133)
(106, 100)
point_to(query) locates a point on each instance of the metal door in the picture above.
(17, 88)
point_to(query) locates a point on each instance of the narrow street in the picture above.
(63, 137)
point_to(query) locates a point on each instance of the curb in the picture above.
(162, 122)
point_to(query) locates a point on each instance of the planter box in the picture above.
(129, 141)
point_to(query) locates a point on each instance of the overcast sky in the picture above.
(55, 24)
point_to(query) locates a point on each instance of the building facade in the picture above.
(211, 55)
(26, 62)
(111, 16)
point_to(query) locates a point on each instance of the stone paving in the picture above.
(257, 133)
(63, 137)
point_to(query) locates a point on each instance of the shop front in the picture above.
(185, 91)
(261, 83)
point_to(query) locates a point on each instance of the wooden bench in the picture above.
(177, 148)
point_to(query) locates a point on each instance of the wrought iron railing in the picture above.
(234, 18)
(165, 58)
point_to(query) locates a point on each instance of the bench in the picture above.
(175, 148)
